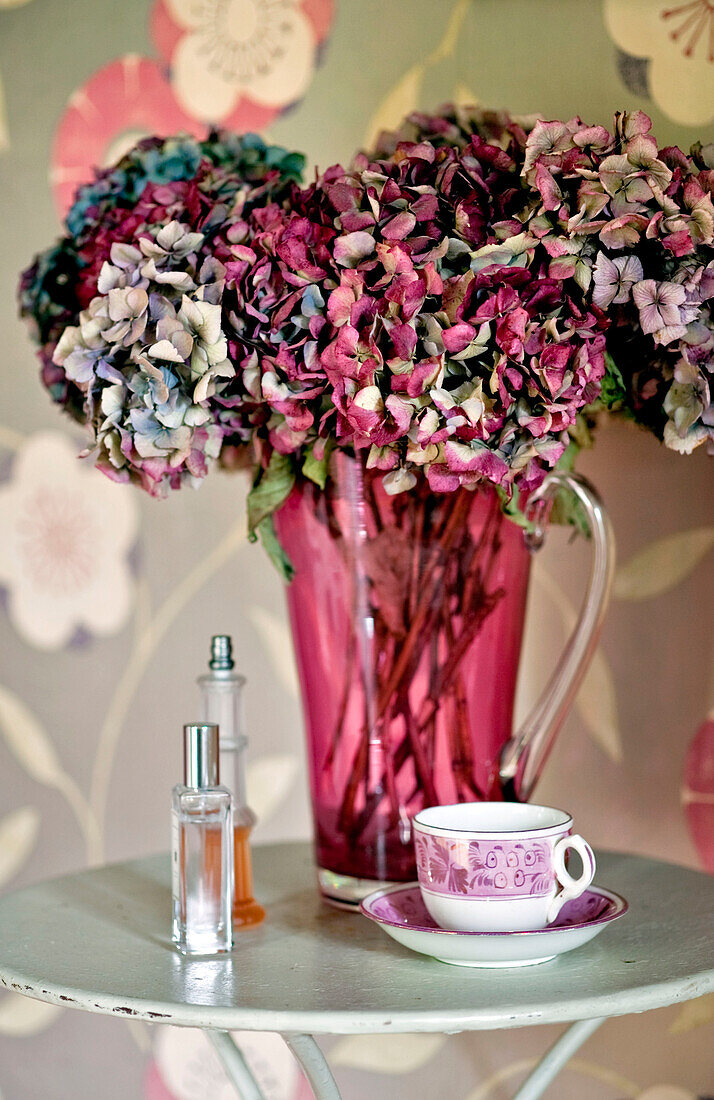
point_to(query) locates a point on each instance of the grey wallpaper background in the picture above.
(90, 723)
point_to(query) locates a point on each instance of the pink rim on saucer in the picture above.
(401, 906)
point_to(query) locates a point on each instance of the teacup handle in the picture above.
(571, 887)
(523, 757)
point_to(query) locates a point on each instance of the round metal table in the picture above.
(99, 941)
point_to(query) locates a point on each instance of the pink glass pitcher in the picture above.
(407, 614)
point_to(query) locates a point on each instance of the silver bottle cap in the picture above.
(200, 755)
(221, 653)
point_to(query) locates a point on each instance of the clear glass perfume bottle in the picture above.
(222, 703)
(202, 849)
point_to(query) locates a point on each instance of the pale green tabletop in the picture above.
(99, 941)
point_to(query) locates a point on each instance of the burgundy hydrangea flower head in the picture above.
(399, 309)
(455, 125)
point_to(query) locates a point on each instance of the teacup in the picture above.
(497, 866)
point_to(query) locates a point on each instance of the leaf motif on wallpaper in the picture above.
(596, 700)
(4, 134)
(464, 96)
(274, 633)
(31, 746)
(404, 96)
(28, 741)
(666, 1092)
(269, 780)
(18, 835)
(398, 102)
(392, 1054)
(450, 39)
(694, 1014)
(597, 705)
(593, 1071)
(22, 1016)
(663, 564)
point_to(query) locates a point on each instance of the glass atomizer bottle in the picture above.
(202, 849)
(222, 703)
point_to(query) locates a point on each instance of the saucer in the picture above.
(400, 911)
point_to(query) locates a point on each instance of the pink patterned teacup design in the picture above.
(497, 866)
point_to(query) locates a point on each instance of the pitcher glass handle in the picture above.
(525, 754)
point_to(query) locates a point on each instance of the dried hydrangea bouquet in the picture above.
(409, 353)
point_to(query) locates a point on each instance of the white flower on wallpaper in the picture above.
(677, 38)
(186, 1067)
(230, 58)
(67, 532)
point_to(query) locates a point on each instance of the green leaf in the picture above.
(316, 468)
(566, 462)
(270, 490)
(581, 432)
(567, 509)
(511, 508)
(612, 392)
(272, 547)
(612, 398)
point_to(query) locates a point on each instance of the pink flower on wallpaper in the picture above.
(698, 791)
(154, 1087)
(240, 63)
(120, 103)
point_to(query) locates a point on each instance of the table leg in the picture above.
(235, 1065)
(314, 1066)
(555, 1059)
(323, 1083)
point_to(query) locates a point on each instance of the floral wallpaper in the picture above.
(107, 599)
(676, 43)
(64, 559)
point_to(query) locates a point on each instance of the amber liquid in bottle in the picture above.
(222, 703)
(246, 911)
